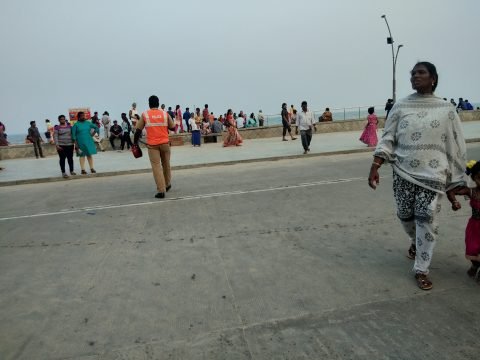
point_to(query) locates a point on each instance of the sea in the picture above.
(353, 113)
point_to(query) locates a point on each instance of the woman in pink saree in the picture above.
(369, 135)
(233, 137)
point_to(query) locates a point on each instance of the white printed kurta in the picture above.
(424, 143)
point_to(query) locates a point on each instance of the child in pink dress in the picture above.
(472, 232)
(369, 135)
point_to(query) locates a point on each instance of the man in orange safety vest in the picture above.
(157, 122)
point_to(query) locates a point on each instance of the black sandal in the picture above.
(412, 252)
(423, 282)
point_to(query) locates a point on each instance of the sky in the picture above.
(245, 55)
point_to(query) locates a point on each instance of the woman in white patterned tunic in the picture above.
(424, 143)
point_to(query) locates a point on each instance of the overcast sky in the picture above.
(245, 55)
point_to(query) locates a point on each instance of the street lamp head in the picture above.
(383, 16)
(399, 46)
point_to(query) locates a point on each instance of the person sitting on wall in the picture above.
(326, 116)
(468, 106)
(116, 132)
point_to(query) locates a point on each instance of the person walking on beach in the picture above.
(261, 118)
(286, 123)
(95, 119)
(81, 135)
(233, 137)
(35, 138)
(3, 136)
(388, 107)
(186, 118)
(178, 120)
(205, 112)
(126, 130)
(305, 123)
(472, 232)
(170, 112)
(369, 134)
(157, 123)
(196, 136)
(62, 136)
(290, 114)
(49, 132)
(131, 114)
(424, 143)
(106, 124)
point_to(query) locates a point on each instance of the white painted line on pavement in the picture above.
(183, 198)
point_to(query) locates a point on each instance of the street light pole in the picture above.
(394, 59)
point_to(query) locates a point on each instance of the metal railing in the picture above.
(338, 114)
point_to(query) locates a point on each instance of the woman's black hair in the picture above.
(371, 110)
(432, 70)
(474, 170)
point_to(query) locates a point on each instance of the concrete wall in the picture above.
(22, 151)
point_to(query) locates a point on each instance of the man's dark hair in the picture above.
(327, 109)
(304, 103)
(80, 113)
(187, 109)
(284, 104)
(206, 105)
(46, 120)
(153, 102)
(60, 116)
(432, 70)
(32, 122)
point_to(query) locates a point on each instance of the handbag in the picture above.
(136, 151)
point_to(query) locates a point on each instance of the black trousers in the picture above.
(37, 147)
(112, 138)
(286, 126)
(66, 153)
(306, 136)
(126, 139)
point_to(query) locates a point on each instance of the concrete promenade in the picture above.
(288, 259)
(30, 170)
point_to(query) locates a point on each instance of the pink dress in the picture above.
(369, 135)
(472, 233)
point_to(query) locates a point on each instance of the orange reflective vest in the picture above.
(156, 126)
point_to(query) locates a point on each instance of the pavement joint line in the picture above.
(182, 198)
(232, 294)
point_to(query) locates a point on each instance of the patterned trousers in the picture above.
(417, 209)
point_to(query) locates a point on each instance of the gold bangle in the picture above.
(376, 163)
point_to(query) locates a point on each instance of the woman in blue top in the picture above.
(81, 135)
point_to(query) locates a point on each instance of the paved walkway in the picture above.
(109, 163)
